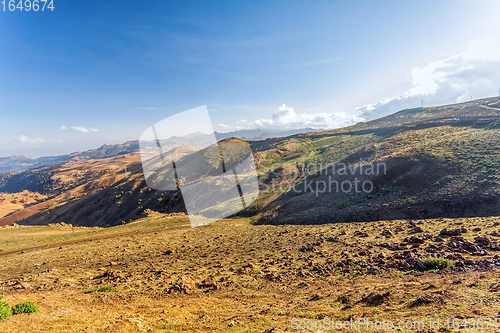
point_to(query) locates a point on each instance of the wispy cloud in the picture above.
(84, 129)
(26, 139)
(80, 129)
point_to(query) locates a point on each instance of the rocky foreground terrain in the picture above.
(157, 274)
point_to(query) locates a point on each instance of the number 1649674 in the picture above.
(27, 5)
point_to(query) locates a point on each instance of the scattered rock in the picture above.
(414, 240)
(454, 232)
(21, 285)
(418, 229)
(273, 276)
(247, 269)
(209, 283)
(361, 234)
(184, 286)
(494, 287)
(484, 240)
(307, 248)
(426, 299)
(387, 233)
(345, 254)
(375, 299)
(412, 223)
(112, 274)
(344, 299)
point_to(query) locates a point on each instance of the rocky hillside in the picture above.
(419, 163)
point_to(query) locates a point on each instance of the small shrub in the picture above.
(5, 310)
(100, 290)
(24, 307)
(437, 263)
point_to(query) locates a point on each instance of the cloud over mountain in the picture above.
(285, 118)
(474, 73)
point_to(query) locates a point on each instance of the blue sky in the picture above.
(96, 72)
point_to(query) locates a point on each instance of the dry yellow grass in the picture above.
(12, 202)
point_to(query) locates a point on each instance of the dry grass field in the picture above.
(158, 274)
(12, 202)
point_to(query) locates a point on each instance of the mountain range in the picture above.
(18, 163)
(429, 162)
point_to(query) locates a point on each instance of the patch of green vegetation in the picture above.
(24, 307)
(437, 263)
(101, 290)
(343, 204)
(5, 310)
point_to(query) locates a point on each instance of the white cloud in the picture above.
(26, 139)
(224, 128)
(84, 129)
(63, 128)
(285, 118)
(474, 72)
